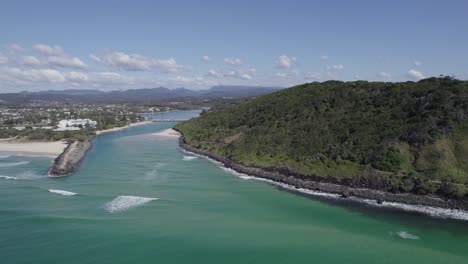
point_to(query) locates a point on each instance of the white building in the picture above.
(75, 124)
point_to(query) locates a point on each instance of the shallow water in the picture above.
(140, 199)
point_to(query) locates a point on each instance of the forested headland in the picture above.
(407, 137)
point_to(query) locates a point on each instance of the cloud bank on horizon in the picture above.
(43, 66)
(137, 45)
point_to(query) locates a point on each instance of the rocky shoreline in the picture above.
(67, 162)
(343, 191)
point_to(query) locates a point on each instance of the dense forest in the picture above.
(396, 137)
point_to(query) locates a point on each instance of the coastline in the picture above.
(53, 148)
(115, 129)
(70, 158)
(67, 162)
(170, 132)
(364, 195)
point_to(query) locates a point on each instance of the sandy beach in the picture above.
(167, 133)
(115, 129)
(33, 148)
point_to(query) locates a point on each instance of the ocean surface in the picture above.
(138, 198)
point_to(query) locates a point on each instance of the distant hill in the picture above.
(136, 95)
(72, 92)
(396, 137)
(238, 91)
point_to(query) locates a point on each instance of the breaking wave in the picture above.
(27, 175)
(62, 192)
(406, 235)
(4, 156)
(151, 175)
(122, 203)
(11, 164)
(187, 158)
(422, 209)
(8, 177)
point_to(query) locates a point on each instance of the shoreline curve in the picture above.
(421, 203)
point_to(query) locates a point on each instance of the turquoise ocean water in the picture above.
(138, 198)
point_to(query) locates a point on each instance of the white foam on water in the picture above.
(62, 192)
(282, 185)
(205, 157)
(428, 210)
(30, 175)
(155, 172)
(151, 175)
(27, 175)
(188, 158)
(11, 164)
(423, 209)
(25, 154)
(241, 175)
(8, 177)
(122, 203)
(406, 235)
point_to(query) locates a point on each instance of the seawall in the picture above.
(67, 162)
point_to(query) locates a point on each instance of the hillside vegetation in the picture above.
(397, 137)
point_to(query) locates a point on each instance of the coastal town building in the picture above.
(75, 124)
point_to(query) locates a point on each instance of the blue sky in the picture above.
(197, 44)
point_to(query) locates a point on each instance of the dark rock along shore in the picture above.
(67, 162)
(344, 191)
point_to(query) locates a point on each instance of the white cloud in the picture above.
(29, 61)
(110, 78)
(120, 60)
(313, 76)
(324, 57)
(65, 61)
(169, 65)
(15, 47)
(214, 73)
(285, 61)
(95, 58)
(76, 76)
(246, 76)
(45, 57)
(384, 75)
(17, 79)
(33, 79)
(290, 75)
(44, 67)
(281, 74)
(415, 75)
(233, 61)
(206, 58)
(48, 50)
(335, 67)
(190, 82)
(237, 74)
(3, 59)
(417, 63)
(33, 75)
(136, 62)
(44, 75)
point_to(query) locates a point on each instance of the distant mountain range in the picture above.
(136, 95)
